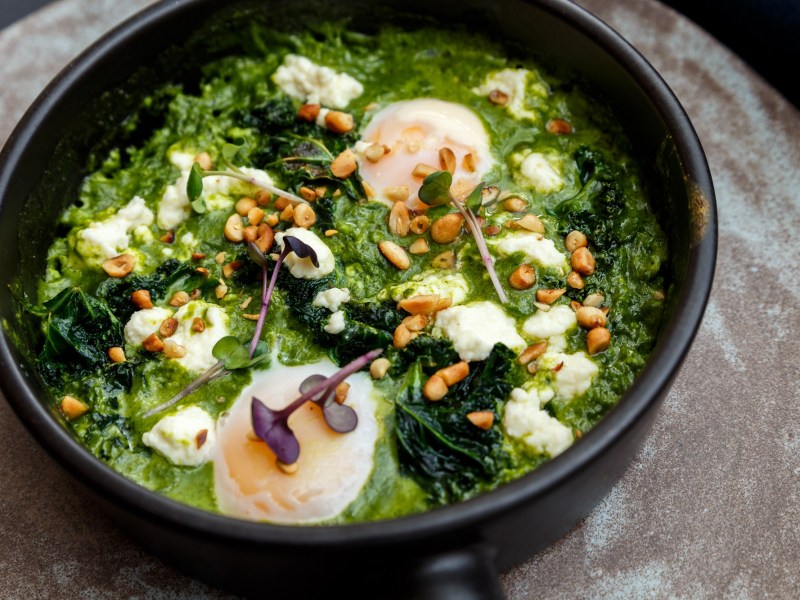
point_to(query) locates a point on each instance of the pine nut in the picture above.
(492, 230)
(550, 295)
(249, 234)
(447, 228)
(490, 194)
(173, 349)
(454, 373)
(395, 254)
(341, 392)
(375, 152)
(419, 224)
(435, 388)
(482, 419)
(399, 219)
(528, 222)
(419, 246)
(396, 194)
(515, 205)
(523, 277)
(447, 160)
(594, 299)
(304, 216)
(116, 354)
(558, 127)
(445, 260)
(344, 165)
(422, 170)
(583, 261)
(231, 268)
(542, 306)
(424, 304)
(266, 237)
(575, 239)
(469, 162)
(379, 367)
(220, 258)
(402, 336)
(598, 339)
(72, 408)
(285, 468)
(198, 256)
(263, 197)
(168, 327)
(532, 352)
(331, 232)
(287, 214)
(119, 266)
(498, 97)
(141, 298)
(179, 299)
(198, 325)
(575, 281)
(204, 160)
(168, 237)
(339, 122)
(308, 112)
(255, 215)
(415, 323)
(575, 305)
(590, 317)
(233, 228)
(243, 206)
(308, 193)
(220, 291)
(281, 203)
(152, 343)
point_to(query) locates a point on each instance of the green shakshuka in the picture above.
(352, 277)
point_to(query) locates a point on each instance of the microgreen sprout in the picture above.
(272, 426)
(435, 191)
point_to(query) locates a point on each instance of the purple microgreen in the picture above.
(272, 426)
(301, 249)
(256, 254)
(435, 189)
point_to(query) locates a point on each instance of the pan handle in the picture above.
(465, 573)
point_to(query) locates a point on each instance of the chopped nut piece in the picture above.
(422, 170)
(375, 152)
(220, 291)
(469, 162)
(590, 317)
(263, 197)
(198, 256)
(179, 298)
(282, 203)
(548, 296)
(168, 237)
(575, 239)
(141, 298)
(330, 232)
(528, 222)
(424, 304)
(575, 281)
(168, 327)
(321, 191)
(419, 246)
(287, 214)
(542, 306)
(395, 254)
(445, 260)
(435, 388)
(659, 295)
(446, 229)
(515, 204)
(344, 165)
(416, 322)
(220, 258)
(119, 266)
(204, 160)
(490, 194)
(173, 349)
(285, 468)
(249, 234)
(255, 215)
(341, 392)
(583, 261)
(492, 230)
(265, 238)
(368, 189)
(532, 352)
(251, 316)
(201, 438)
(575, 305)
(72, 408)
(198, 325)
(498, 97)
(482, 419)
(272, 219)
(594, 299)
(558, 127)
(304, 216)
(447, 160)
(402, 336)
(339, 122)
(598, 339)
(308, 193)
(419, 224)
(379, 367)
(308, 112)
(231, 268)
(233, 228)
(246, 302)
(454, 373)
(399, 219)
(532, 367)
(196, 293)
(243, 206)
(523, 277)
(116, 354)
(152, 343)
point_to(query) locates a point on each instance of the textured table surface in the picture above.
(710, 507)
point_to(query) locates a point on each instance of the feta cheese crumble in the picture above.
(315, 84)
(185, 438)
(335, 323)
(535, 247)
(539, 172)
(524, 419)
(332, 299)
(144, 323)
(103, 239)
(438, 282)
(576, 374)
(554, 322)
(513, 83)
(199, 345)
(474, 329)
(303, 268)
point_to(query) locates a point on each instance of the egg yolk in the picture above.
(332, 467)
(412, 133)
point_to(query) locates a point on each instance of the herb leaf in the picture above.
(234, 355)
(435, 190)
(194, 184)
(475, 199)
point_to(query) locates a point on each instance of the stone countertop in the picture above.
(710, 507)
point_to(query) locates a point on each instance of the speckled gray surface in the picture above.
(710, 507)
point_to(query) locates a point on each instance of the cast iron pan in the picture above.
(452, 552)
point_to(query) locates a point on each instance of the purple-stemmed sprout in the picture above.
(435, 191)
(290, 244)
(272, 426)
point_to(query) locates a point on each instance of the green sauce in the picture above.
(234, 100)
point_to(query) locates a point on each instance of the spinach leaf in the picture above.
(448, 456)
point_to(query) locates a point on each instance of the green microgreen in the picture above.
(435, 191)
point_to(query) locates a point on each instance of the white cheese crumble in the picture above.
(336, 323)
(535, 247)
(474, 329)
(332, 299)
(576, 374)
(303, 268)
(513, 83)
(182, 160)
(185, 438)
(546, 324)
(174, 207)
(438, 282)
(199, 345)
(312, 83)
(103, 239)
(143, 323)
(539, 172)
(524, 419)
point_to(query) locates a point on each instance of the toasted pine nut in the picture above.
(515, 204)
(272, 219)
(119, 266)
(72, 408)
(379, 367)
(331, 232)
(243, 206)
(598, 339)
(308, 193)
(402, 336)
(198, 325)
(255, 215)
(583, 261)
(198, 256)
(424, 304)
(287, 214)
(416, 322)
(265, 239)
(308, 112)
(246, 302)
(369, 191)
(419, 224)
(575, 281)
(419, 246)
(532, 352)
(220, 291)
(220, 258)
(262, 197)
(375, 152)
(447, 160)
(590, 317)
(492, 230)
(152, 343)
(498, 97)
(204, 160)
(490, 194)
(399, 220)
(339, 122)
(575, 305)
(529, 222)
(249, 234)
(549, 296)
(395, 254)
(233, 228)
(304, 216)
(173, 349)
(141, 298)
(532, 367)
(454, 373)
(168, 237)
(594, 299)
(469, 162)
(341, 392)
(422, 170)
(285, 468)
(344, 165)
(179, 298)
(116, 354)
(575, 239)
(558, 127)
(482, 419)
(321, 191)
(447, 228)
(168, 327)
(523, 277)
(445, 260)
(251, 316)
(435, 388)
(396, 194)
(542, 306)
